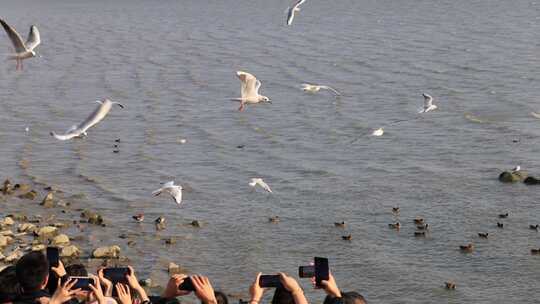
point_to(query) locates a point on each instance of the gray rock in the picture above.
(70, 251)
(107, 252)
(38, 247)
(60, 240)
(26, 227)
(174, 269)
(92, 217)
(8, 221)
(46, 232)
(30, 195)
(512, 177)
(531, 181)
(5, 240)
(48, 201)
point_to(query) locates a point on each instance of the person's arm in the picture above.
(64, 292)
(330, 286)
(105, 282)
(256, 291)
(294, 288)
(204, 290)
(133, 282)
(172, 290)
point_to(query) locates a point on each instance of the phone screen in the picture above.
(271, 281)
(82, 282)
(117, 274)
(187, 285)
(52, 256)
(306, 271)
(321, 270)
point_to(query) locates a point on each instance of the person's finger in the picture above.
(196, 280)
(74, 291)
(70, 283)
(94, 289)
(258, 277)
(131, 270)
(59, 284)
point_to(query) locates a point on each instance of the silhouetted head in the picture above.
(282, 296)
(221, 297)
(76, 270)
(32, 271)
(9, 286)
(353, 297)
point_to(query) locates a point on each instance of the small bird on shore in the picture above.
(314, 88)
(450, 285)
(378, 132)
(395, 226)
(195, 223)
(500, 225)
(505, 215)
(467, 248)
(174, 190)
(422, 227)
(273, 219)
(483, 235)
(291, 11)
(7, 188)
(249, 90)
(139, 218)
(340, 224)
(22, 50)
(419, 221)
(258, 181)
(160, 220)
(395, 209)
(347, 237)
(534, 227)
(428, 104)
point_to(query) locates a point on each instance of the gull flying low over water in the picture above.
(99, 113)
(22, 50)
(258, 181)
(428, 104)
(249, 90)
(291, 11)
(313, 88)
(174, 190)
(378, 132)
(516, 169)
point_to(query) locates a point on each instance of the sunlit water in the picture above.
(172, 64)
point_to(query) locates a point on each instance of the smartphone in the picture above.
(53, 256)
(187, 285)
(271, 281)
(116, 274)
(306, 271)
(82, 282)
(321, 270)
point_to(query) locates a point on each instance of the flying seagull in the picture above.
(99, 113)
(428, 104)
(22, 50)
(174, 190)
(258, 181)
(378, 132)
(313, 88)
(293, 10)
(516, 169)
(249, 90)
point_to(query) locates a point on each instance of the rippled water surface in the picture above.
(172, 64)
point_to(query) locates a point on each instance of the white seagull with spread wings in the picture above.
(258, 181)
(80, 130)
(22, 50)
(293, 10)
(428, 104)
(314, 88)
(249, 90)
(174, 190)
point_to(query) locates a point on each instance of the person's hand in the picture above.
(64, 292)
(255, 290)
(330, 286)
(96, 290)
(289, 283)
(60, 271)
(172, 291)
(133, 282)
(124, 295)
(105, 282)
(204, 290)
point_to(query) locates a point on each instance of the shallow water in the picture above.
(172, 64)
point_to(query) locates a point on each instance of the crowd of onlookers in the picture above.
(33, 280)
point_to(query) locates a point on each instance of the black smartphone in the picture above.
(53, 256)
(269, 281)
(187, 285)
(82, 282)
(116, 274)
(321, 270)
(306, 271)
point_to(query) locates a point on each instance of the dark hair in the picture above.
(353, 297)
(9, 286)
(221, 297)
(76, 270)
(32, 271)
(332, 300)
(282, 296)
